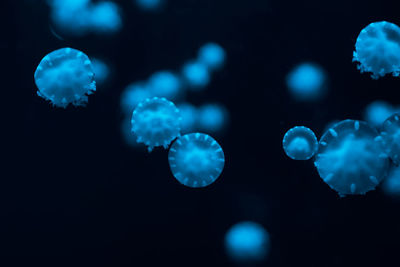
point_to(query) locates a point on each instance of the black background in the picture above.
(75, 195)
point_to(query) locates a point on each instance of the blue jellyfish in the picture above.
(307, 82)
(101, 70)
(377, 112)
(391, 184)
(212, 55)
(196, 75)
(165, 84)
(378, 49)
(212, 117)
(350, 158)
(300, 143)
(105, 17)
(148, 5)
(196, 160)
(390, 134)
(156, 122)
(133, 95)
(189, 115)
(72, 17)
(247, 242)
(65, 76)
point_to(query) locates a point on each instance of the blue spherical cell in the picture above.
(196, 75)
(390, 134)
(300, 143)
(133, 95)
(189, 115)
(71, 17)
(148, 5)
(391, 184)
(212, 117)
(101, 70)
(65, 76)
(247, 242)
(307, 82)
(156, 122)
(377, 49)
(165, 84)
(351, 159)
(105, 17)
(196, 160)
(212, 55)
(377, 112)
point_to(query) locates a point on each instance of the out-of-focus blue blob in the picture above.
(212, 118)
(247, 242)
(189, 115)
(149, 5)
(300, 143)
(351, 159)
(101, 70)
(65, 76)
(378, 49)
(212, 55)
(105, 17)
(391, 137)
(165, 84)
(377, 112)
(133, 95)
(307, 82)
(391, 184)
(196, 160)
(196, 75)
(156, 122)
(72, 17)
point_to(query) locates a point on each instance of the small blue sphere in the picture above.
(247, 242)
(377, 112)
(165, 84)
(300, 143)
(196, 160)
(212, 55)
(196, 75)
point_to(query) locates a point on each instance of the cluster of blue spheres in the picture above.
(247, 242)
(209, 117)
(65, 76)
(377, 49)
(79, 17)
(307, 82)
(300, 143)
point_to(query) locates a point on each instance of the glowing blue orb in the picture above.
(189, 115)
(378, 49)
(247, 242)
(351, 159)
(307, 82)
(196, 160)
(101, 70)
(196, 75)
(377, 112)
(65, 76)
(105, 17)
(212, 55)
(212, 118)
(165, 84)
(391, 137)
(300, 143)
(156, 122)
(133, 95)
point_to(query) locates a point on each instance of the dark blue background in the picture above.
(73, 194)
